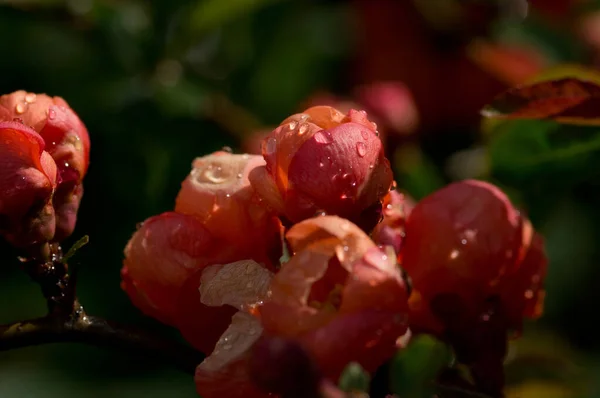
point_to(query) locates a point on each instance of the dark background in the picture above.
(149, 80)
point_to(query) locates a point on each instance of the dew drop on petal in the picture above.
(321, 164)
(30, 98)
(271, 145)
(371, 166)
(239, 175)
(21, 107)
(227, 149)
(365, 134)
(361, 149)
(292, 125)
(303, 129)
(51, 114)
(529, 294)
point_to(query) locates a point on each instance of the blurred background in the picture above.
(159, 83)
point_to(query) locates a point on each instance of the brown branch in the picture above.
(67, 321)
(101, 333)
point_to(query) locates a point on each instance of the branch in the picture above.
(67, 321)
(101, 333)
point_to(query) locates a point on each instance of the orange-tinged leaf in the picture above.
(568, 101)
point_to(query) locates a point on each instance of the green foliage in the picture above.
(414, 368)
(354, 379)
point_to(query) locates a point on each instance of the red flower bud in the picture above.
(27, 180)
(323, 160)
(390, 231)
(340, 296)
(66, 140)
(162, 255)
(392, 103)
(219, 194)
(467, 244)
(65, 135)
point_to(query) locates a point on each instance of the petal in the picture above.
(219, 194)
(239, 284)
(367, 337)
(224, 373)
(330, 232)
(199, 324)
(376, 283)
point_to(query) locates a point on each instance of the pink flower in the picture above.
(323, 161)
(340, 296)
(66, 140)
(28, 178)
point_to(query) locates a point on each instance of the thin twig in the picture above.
(101, 333)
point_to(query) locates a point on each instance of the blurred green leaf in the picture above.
(209, 14)
(523, 151)
(354, 378)
(415, 172)
(414, 368)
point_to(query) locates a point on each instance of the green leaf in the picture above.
(354, 378)
(209, 14)
(525, 151)
(415, 367)
(415, 172)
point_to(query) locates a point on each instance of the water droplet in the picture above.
(361, 149)
(228, 195)
(454, 254)
(239, 175)
(293, 125)
(227, 347)
(353, 183)
(464, 241)
(365, 134)
(485, 317)
(51, 114)
(21, 107)
(529, 294)
(303, 129)
(343, 196)
(213, 174)
(30, 98)
(394, 185)
(271, 145)
(374, 125)
(227, 149)
(371, 167)
(346, 248)
(245, 156)
(321, 164)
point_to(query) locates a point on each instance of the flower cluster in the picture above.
(44, 155)
(365, 266)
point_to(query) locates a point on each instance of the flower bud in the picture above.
(283, 366)
(323, 161)
(66, 140)
(392, 103)
(339, 295)
(465, 245)
(161, 274)
(27, 180)
(218, 193)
